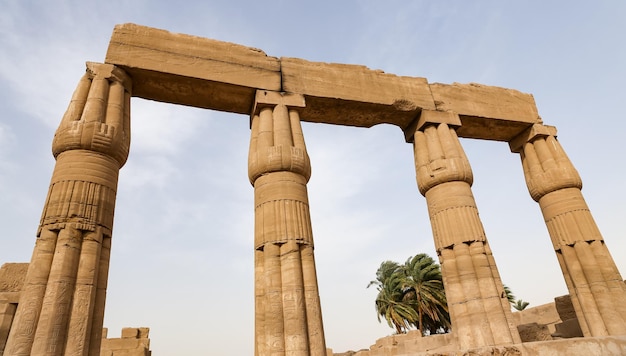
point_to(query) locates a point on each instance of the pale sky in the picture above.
(182, 259)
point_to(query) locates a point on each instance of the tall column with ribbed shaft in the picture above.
(479, 311)
(595, 285)
(62, 305)
(288, 320)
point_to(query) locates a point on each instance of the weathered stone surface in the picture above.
(12, 276)
(60, 306)
(288, 319)
(605, 346)
(478, 313)
(594, 283)
(7, 312)
(355, 95)
(567, 329)
(134, 342)
(487, 112)
(545, 314)
(564, 307)
(189, 70)
(205, 73)
(62, 302)
(534, 332)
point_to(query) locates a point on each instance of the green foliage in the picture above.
(517, 304)
(520, 305)
(412, 294)
(509, 294)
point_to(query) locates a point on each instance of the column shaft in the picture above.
(26, 317)
(288, 319)
(63, 297)
(95, 338)
(595, 285)
(474, 291)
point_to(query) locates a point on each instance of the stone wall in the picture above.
(11, 280)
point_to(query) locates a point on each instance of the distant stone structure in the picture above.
(134, 342)
(61, 308)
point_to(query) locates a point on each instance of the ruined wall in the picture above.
(554, 322)
(133, 342)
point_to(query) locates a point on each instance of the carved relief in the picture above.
(439, 157)
(98, 117)
(444, 177)
(277, 143)
(547, 168)
(90, 146)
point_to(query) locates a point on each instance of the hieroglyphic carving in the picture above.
(62, 286)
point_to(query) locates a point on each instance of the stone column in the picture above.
(479, 310)
(595, 285)
(288, 320)
(62, 305)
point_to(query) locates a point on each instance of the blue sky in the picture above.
(182, 245)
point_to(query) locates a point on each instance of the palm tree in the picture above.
(509, 294)
(412, 294)
(384, 272)
(423, 286)
(390, 304)
(520, 305)
(517, 304)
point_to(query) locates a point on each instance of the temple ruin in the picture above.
(60, 309)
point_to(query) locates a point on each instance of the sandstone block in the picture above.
(487, 112)
(355, 95)
(189, 70)
(12, 276)
(533, 332)
(564, 307)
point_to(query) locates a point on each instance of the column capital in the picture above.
(269, 98)
(98, 116)
(428, 117)
(110, 72)
(537, 130)
(439, 157)
(276, 142)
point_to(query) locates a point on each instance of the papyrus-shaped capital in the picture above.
(439, 156)
(98, 116)
(546, 165)
(277, 143)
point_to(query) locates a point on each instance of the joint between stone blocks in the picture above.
(269, 98)
(427, 117)
(536, 130)
(111, 72)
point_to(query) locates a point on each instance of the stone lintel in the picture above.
(205, 73)
(189, 70)
(537, 130)
(431, 117)
(487, 112)
(354, 95)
